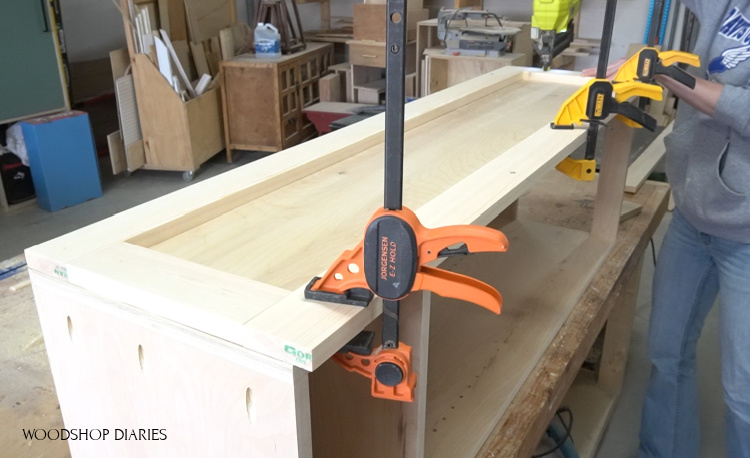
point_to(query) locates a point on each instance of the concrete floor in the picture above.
(30, 226)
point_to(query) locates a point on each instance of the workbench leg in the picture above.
(618, 139)
(617, 335)
(415, 330)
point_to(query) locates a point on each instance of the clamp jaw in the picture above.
(390, 262)
(388, 368)
(648, 62)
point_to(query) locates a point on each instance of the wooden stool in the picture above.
(276, 12)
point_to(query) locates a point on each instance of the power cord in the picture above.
(566, 426)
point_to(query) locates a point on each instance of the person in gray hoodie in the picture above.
(706, 251)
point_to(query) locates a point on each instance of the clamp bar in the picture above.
(394, 103)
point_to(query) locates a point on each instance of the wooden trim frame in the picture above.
(226, 261)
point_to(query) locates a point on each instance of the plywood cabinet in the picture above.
(263, 98)
(187, 313)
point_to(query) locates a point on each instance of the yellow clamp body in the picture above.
(578, 107)
(594, 102)
(579, 169)
(629, 71)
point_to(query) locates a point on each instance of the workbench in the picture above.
(187, 313)
(610, 298)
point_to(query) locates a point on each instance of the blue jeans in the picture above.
(691, 270)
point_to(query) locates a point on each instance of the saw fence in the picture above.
(187, 313)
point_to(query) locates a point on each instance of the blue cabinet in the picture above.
(62, 158)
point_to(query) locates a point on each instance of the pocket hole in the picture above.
(395, 18)
(249, 405)
(70, 328)
(141, 360)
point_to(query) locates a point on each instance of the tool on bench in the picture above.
(552, 27)
(390, 260)
(473, 32)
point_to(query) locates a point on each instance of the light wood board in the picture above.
(642, 167)
(206, 18)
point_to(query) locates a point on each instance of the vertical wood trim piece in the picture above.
(415, 331)
(303, 419)
(618, 139)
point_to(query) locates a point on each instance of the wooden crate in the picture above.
(370, 22)
(187, 314)
(264, 98)
(177, 135)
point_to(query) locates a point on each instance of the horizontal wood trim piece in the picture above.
(188, 293)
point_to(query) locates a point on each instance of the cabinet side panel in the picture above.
(119, 372)
(347, 421)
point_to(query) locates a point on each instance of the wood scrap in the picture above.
(226, 40)
(119, 61)
(199, 58)
(331, 88)
(182, 49)
(163, 6)
(130, 126)
(177, 20)
(203, 83)
(151, 13)
(116, 152)
(163, 61)
(629, 210)
(213, 55)
(176, 62)
(206, 18)
(19, 286)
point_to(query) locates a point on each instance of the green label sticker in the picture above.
(61, 271)
(300, 357)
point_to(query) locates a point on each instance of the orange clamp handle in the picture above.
(347, 272)
(456, 286)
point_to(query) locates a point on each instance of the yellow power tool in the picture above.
(552, 27)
